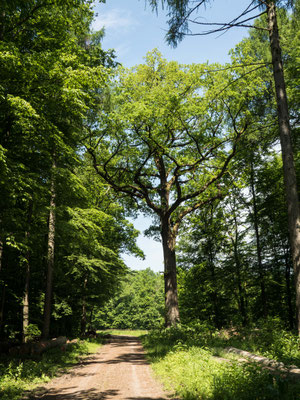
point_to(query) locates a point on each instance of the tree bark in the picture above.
(27, 277)
(1, 253)
(83, 312)
(288, 290)
(50, 256)
(171, 297)
(289, 172)
(26, 299)
(2, 308)
(261, 272)
(3, 289)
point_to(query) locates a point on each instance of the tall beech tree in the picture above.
(52, 71)
(167, 142)
(50, 252)
(185, 13)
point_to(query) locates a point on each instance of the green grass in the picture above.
(21, 374)
(184, 360)
(125, 332)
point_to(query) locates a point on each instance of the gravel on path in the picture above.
(118, 371)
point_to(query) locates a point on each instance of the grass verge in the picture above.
(125, 332)
(19, 374)
(186, 365)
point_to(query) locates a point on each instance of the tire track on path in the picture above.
(119, 371)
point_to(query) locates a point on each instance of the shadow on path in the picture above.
(90, 394)
(116, 370)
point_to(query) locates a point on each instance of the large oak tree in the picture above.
(167, 141)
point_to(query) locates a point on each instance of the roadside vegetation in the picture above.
(192, 363)
(20, 373)
(122, 332)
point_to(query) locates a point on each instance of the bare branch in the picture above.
(224, 27)
(213, 179)
(194, 208)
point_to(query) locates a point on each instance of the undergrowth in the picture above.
(267, 340)
(18, 374)
(183, 358)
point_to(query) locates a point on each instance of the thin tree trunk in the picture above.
(2, 308)
(289, 172)
(241, 302)
(26, 300)
(240, 288)
(50, 256)
(1, 253)
(27, 277)
(214, 294)
(83, 312)
(171, 296)
(258, 245)
(3, 290)
(91, 317)
(288, 290)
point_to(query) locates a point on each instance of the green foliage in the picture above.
(181, 119)
(32, 332)
(244, 288)
(139, 304)
(53, 78)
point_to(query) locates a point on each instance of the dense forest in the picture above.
(206, 150)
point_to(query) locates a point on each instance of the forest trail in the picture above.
(119, 370)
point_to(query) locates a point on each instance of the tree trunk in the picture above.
(214, 295)
(91, 317)
(211, 264)
(1, 253)
(50, 256)
(288, 290)
(26, 300)
(258, 245)
(213, 292)
(83, 312)
(241, 302)
(2, 308)
(3, 290)
(171, 297)
(289, 172)
(27, 277)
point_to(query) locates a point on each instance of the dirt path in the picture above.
(118, 371)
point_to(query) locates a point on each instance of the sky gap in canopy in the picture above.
(132, 29)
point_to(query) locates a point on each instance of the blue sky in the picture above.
(132, 29)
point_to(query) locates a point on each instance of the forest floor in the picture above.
(119, 370)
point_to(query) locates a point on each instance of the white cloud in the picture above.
(116, 20)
